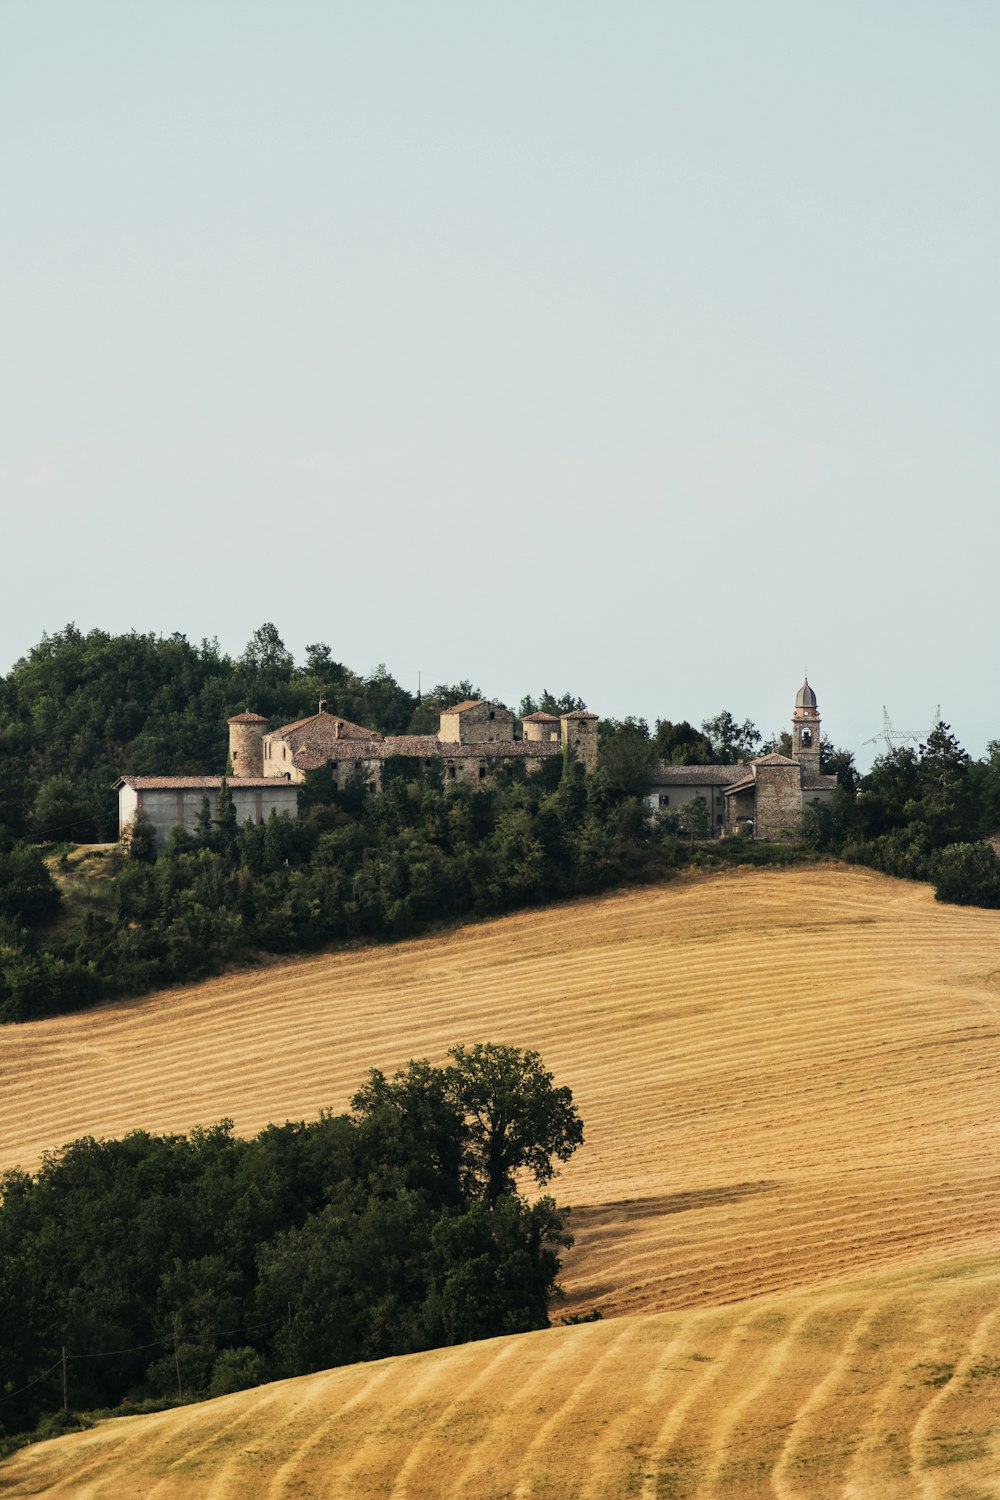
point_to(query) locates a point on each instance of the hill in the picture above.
(882, 1390)
(786, 1078)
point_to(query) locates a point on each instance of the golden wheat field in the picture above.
(785, 1205)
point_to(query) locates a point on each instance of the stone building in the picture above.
(169, 800)
(767, 795)
(268, 765)
(473, 737)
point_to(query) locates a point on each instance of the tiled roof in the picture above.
(459, 708)
(321, 728)
(196, 783)
(810, 780)
(773, 760)
(580, 713)
(540, 718)
(745, 785)
(424, 747)
(247, 718)
(665, 775)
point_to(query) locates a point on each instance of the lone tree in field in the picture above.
(491, 1112)
(514, 1117)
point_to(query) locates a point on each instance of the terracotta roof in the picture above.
(322, 727)
(196, 783)
(665, 775)
(424, 747)
(247, 718)
(580, 713)
(459, 708)
(810, 781)
(773, 760)
(743, 785)
(540, 718)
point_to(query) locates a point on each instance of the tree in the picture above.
(547, 703)
(730, 740)
(266, 652)
(514, 1117)
(839, 763)
(60, 812)
(778, 744)
(627, 755)
(226, 822)
(27, 890)
(681, 744)
(424, 719)
(945, 792)
(490, 1113)
(139, 838)
(694, 818)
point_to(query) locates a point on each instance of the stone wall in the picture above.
(779, 801)
(277, 761)
(544, 730)
(579, 733)
(478, 725)
(246, 748)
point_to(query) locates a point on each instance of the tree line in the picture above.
(80, 708)
(925, 813)
(160, 1268)
(355, 866)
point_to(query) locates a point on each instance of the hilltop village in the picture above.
(764, 796)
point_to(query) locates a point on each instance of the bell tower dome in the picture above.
(805, 729)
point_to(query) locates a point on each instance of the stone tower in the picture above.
(246, 744)
(579, 733)
(805, 729)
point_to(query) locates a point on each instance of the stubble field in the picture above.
(786, 1203)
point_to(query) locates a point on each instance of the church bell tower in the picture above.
(805, 729)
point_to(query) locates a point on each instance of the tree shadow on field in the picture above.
(602, 1219)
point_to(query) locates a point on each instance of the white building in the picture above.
(171, 800)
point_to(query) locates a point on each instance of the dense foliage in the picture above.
(79, 709)
(355, 866)
(175, 1267)
(923, 814)
(82, 709)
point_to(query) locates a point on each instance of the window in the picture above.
(807, 737)
(492, 714)
(482, 773)
(664, 799)
(451, 772)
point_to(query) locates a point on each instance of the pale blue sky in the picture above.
(644, 350)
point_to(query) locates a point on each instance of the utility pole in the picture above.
(65, 1382)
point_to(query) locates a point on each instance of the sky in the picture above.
(644, 350)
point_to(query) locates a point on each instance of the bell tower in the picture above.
(805, 729)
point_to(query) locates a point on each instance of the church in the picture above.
(765, 796)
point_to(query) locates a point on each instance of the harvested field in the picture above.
(786, 1078)
(785, 1206)
(882, 1390)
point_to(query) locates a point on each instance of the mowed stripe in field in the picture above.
(886, 1389)
(786, 1078)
